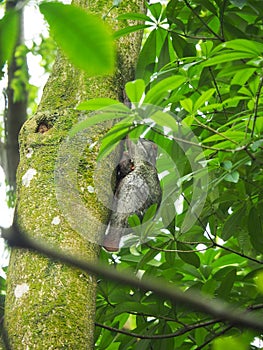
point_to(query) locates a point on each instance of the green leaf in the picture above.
(227, 284)
(233, 223)
(235, 136)
(190, 258)
(90, 121)
(155, 9)
(134, 220)
(135, 89)
(113, 137)
(208, 5)
(233, 343)
(129, 29)
(165, 120)
(227, 57)
(227, 165)
(187, 104)
(151, 253)
(255, 229)
(100, 103)
(147, 55)
(232, 177)
(162, 88)
(83, 37)
(248, 46)
(239, 3)
(205, 97)
(150, 212)
(259, 281)
(242, 76)
(8, 36)
(135, 17)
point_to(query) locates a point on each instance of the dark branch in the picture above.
(194, 300)
(202, 21)
(216, 335)
(182, 331)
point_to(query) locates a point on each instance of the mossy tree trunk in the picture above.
(50, 305)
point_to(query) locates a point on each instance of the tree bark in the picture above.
(50, 305)
(16, 112)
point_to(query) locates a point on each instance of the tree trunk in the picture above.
(16, 112)
(50, 305)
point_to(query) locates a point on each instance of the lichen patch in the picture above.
(20, 290)
(28, 176)
(56, 220)
(90, 189)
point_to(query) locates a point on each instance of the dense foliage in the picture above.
(216, 47)
(202, 61)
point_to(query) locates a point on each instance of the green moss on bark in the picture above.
(50, 305)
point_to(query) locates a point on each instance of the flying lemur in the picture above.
(137, 189)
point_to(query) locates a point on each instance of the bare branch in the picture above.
(202, 21)
(184, 330)
(216, 335)
(195, 300)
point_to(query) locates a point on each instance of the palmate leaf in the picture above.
(83, 37)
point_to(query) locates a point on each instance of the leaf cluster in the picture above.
(201, 68)
(213, 49)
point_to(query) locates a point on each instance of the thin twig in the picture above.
(186, 329)
(188, 36)
(238, 253)
(199, 145)
(179, 250)
(221, 19)
(219, 245)
(217, 89)
(202, 21)
(207, 127)
(216, 335)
